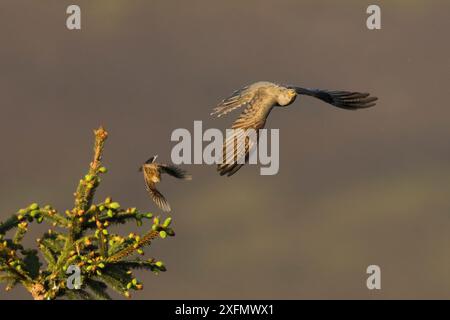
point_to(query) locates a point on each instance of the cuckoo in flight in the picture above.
(152, 175)
(259, 99)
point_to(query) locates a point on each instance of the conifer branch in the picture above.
(146, 240)
(81, 239)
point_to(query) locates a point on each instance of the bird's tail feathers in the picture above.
(176, 172)
(342, 99)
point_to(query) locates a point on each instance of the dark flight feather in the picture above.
(175, 171)
(341, 99)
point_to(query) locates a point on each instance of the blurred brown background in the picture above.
(354, 188)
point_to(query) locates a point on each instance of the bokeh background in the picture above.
(354, 188)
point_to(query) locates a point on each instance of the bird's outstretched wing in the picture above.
(156, 196)
(239, 98)
(245, 134)
(175, 171)
(341, 99)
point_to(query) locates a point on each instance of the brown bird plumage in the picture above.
(259, 99)
(152, 175)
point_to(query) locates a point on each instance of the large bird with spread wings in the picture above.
(259, 99)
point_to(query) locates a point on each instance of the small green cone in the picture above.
(114, 205)
(167, 222)
(162, 234)
(34, 213)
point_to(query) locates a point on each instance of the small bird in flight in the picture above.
(152, 175)
(259, 99)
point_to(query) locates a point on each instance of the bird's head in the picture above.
(151, 160)
(286, 96)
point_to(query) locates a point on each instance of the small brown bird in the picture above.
(152, 175)
(259, 99)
